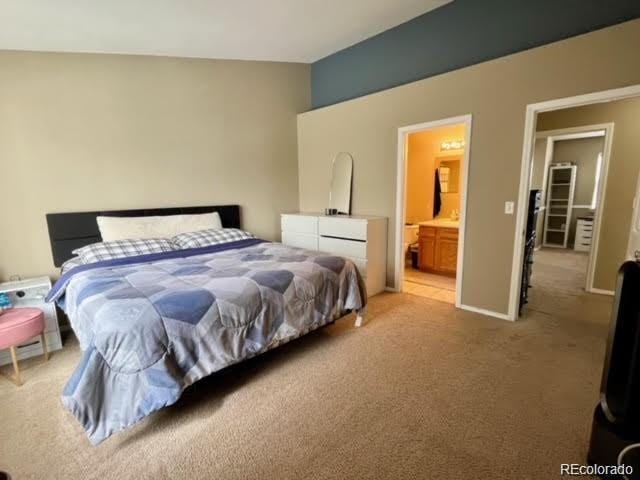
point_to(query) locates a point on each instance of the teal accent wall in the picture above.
(456, 35)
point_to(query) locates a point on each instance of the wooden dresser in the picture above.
(438, 249)
(362, 239)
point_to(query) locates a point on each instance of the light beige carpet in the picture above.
(422, 391)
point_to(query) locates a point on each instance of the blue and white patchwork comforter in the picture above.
(149, 326)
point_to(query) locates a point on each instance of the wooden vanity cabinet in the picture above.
(438, 250)
(427, 248)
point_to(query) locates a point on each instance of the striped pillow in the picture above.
(205, 238)
(73, 262)
(98, 252)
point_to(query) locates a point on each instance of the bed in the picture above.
(151, 325)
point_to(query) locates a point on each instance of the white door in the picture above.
(633, 250)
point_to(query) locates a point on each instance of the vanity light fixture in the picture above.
(451, 145)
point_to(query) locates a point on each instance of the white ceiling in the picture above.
(278, 30)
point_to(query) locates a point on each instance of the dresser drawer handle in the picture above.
(344, 238)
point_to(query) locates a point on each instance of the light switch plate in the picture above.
(508, 208)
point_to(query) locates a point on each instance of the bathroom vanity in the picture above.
(438, 244)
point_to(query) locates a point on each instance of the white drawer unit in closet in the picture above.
(31, 293)
(584, 234)
(362, 239)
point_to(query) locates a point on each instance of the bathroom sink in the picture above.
(441, 222)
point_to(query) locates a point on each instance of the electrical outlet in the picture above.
(508, 208)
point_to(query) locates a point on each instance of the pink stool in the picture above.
(18, 325)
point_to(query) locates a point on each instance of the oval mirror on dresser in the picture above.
(340, 189)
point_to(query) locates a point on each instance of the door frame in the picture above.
(401, 200)
(604, 130)
(635, 212)
(531, 113)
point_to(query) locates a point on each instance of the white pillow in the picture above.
(127, 228)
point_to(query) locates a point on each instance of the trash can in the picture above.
(615, 434)
(414, 255)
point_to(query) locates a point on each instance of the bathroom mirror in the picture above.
(449, 173)
(340, 191)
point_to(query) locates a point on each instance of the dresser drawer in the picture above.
(342, 247)
(300, 240)
(32, 347)
(351, 228)
(300, 224)
(582, 247)
(361, 265)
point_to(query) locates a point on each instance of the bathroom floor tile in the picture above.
(426, 291)
(446, 296)
(430, 279)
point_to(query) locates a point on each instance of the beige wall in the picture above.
(83, 132)
(583, 153)
(624, 167)
(423, 158)
(496, 93)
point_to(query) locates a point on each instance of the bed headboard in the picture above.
(68, 231)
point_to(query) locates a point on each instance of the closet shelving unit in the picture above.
(560, 193)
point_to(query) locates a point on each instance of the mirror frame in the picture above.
(344, 199)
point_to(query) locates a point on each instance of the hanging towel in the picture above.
(437, 201)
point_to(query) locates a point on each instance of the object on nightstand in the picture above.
(30, 293)
(415, 255)
(5, 302)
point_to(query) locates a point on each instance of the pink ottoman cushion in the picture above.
(20, 324)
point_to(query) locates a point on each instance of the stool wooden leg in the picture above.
(14, 357)
(45, 349)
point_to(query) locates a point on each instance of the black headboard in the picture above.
(68, 231)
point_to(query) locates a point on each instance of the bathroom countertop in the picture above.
(441, 222)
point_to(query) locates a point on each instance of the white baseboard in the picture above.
(600, 291)
(488, 313)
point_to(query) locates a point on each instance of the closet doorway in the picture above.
(563, 277)
(433, 166)
(568, 168)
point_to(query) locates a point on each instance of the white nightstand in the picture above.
(31, 293)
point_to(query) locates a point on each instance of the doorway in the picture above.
(553, 116)
(568, 167)
(433, 166)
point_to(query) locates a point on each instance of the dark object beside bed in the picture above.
(68, 231)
